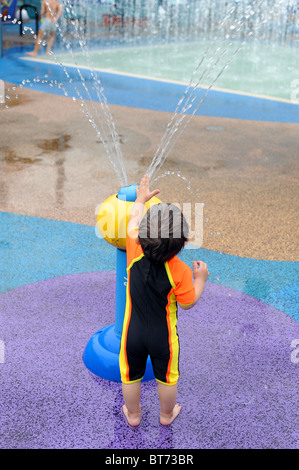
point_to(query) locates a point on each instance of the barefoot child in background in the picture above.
(157, 281)
(51, 11)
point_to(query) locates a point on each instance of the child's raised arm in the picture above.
(143, 195)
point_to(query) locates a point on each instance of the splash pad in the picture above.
(233, 403)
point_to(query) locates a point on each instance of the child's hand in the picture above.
(201, 274)
(143, 192)
(200, 270)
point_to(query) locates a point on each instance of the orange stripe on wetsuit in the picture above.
(151, 315)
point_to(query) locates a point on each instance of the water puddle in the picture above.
(11, 157)
(57, 144)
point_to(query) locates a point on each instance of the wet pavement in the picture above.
(245, 172)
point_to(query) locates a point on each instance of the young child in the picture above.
(157, 281)
(51, 11)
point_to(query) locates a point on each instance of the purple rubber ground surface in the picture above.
(238, 386)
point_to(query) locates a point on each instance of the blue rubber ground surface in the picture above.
(33, 249)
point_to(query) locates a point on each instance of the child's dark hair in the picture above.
(163, 232)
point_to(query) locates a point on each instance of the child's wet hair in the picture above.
(163, 232)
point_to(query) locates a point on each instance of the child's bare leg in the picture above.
(50, 42)
(131, 408)
(169, 409)
(37, 44)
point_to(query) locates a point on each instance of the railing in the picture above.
(36, 15)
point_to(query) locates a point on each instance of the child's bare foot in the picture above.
(33, 54)
(168, 419)
(132, 418)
